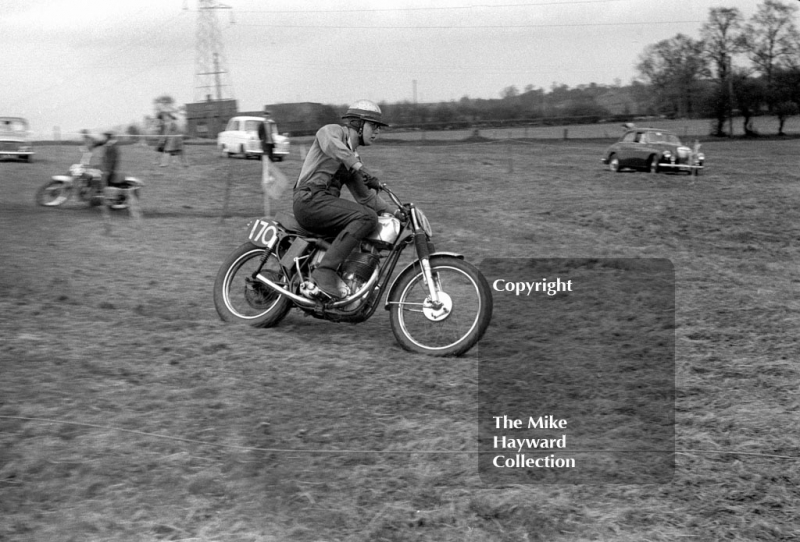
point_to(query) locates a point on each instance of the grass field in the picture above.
(685, 128)
(128, 411)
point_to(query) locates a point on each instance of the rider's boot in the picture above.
(326, 275)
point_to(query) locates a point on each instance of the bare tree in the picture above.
(786, 95)
(749, 95)
(770, 40)
(673, 67)
(722, 37)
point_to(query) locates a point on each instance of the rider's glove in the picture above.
(368, 179)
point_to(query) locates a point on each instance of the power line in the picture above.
(469, 27)
(448, 8)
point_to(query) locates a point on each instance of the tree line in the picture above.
(737, 67)
(740, 66)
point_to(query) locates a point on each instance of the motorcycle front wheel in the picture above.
(453, 328)
(53, 194)
(239, 297)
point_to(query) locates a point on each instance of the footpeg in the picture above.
(309, 289)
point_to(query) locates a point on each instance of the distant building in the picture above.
(298, 119)
(207, 119)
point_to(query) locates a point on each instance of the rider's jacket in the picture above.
(329, 165)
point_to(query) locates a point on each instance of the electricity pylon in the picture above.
(211, 77)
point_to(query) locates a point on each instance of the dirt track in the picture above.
(116, 333)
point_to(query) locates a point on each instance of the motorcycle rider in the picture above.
(86, 148)
(332, 162)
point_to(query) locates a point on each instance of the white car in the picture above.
(15, 138)
(241, 137)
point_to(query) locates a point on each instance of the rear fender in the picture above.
(265, 232)
(407, 269)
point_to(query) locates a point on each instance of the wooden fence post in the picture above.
(510, 157)
(266, 181)
(226, 198)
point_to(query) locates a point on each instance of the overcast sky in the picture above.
(100, 63)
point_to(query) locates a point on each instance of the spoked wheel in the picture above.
(239, 297)
(53, 194)
(451, 328)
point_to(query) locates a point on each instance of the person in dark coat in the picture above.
(110, 160)
(265, 132)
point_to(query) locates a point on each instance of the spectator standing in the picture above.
(173, 145)
(161, 129)
(110, 160)
(266, 130)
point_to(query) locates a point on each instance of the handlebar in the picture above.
(394, 198)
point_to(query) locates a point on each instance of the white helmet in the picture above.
(365, 110)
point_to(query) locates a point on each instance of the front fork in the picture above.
(423, 247)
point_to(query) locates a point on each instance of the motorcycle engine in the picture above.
(357, 269)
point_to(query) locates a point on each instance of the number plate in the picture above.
(263, 232)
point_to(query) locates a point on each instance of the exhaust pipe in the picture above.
(302, 301)
(310, 303)
(365, 289)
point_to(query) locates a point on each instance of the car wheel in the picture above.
(652, 164)
(613, 163)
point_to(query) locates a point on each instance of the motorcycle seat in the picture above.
(291, 225)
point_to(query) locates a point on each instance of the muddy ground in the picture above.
(129, 411)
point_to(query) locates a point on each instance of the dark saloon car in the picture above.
(653, 150)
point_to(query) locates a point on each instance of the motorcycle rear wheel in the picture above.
(53, 194)
(240, 298)
(452, 330)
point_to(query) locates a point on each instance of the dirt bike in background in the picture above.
(438, 304)
(83, 183)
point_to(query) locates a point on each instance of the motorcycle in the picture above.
(84, 183)
(439, 304)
